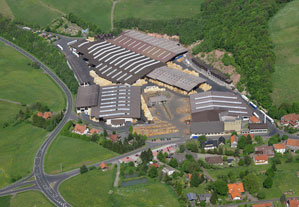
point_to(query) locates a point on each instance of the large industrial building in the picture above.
(127, 57)
(115, 105)
(217, 113)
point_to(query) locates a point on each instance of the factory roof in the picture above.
(206, 127)
(159, 49)
(118, 101)
(220, 101)
(175, 78)
(87, 96)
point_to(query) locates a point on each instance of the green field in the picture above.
(72, 153)
(43, 12)
(284, 28)
(95, 189)
(9, 111)
(284, 180)
(21, 83)
(30, 199)
(156, 9)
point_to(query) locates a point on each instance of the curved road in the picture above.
(38, 169)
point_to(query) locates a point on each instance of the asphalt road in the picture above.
(38, 169)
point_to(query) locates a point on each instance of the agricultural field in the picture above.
(5, 10)
(22, 83)
(30, 199)
(8, 111)
(287, 171)
(284, 31)
(70, 153)
(43, 12)
(96, 189)
(155, 9)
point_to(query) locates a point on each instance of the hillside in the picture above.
(284, 29)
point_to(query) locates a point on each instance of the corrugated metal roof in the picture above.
(87, 96)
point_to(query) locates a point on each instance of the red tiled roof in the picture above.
(263, 205)
(290, 117)
(47, 115)
(293, 202)
(113, 137)
(95, 131)
(232, 139)
(103, 165)
(293, 142)
(235, 189)
(40, 114)
(80, 128)
(254, 119)
(279, 146)
(261, 157)
(155, 165)
(189, 176)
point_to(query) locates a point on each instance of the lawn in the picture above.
(5, 201)
(8, 111)
(5, 10)
(22, 83)
(30, 199)
(18, 145)
(156, 9)
(284, 180)
(43, 12)
(95, 189)
(284, 31)
(72, 153)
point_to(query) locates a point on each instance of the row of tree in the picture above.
(41, 49)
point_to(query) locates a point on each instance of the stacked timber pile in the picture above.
(174, 66)
(140, 82)
(100, 81)
(205, 87)
(168, 86)
(145, 109)
(153, 89)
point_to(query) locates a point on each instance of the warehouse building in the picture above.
(127, 57)
(217, 113)
(175, 78)
(115, 105)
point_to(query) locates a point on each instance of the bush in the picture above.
(261, 195)
(83, 169)
(268, 182)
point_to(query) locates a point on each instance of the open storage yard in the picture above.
(95, 188)
(284, 33)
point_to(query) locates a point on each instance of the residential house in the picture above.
(258, 128)
(279, 148)
(80, 129)
(293, 202)
(233, 141)
(210, 144)
(191, 196)
(205, 197)
(235, 190)
(167, 170)
(264, 150)
(46, 115)
(128, 159)
(214, 160)
(263, 205)
(221, 141)
(103, 166)
(291, 120)
(95, 131)
(114, 137)
(230, 161)
(293, 144)
(261, 159)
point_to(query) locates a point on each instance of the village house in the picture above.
(210, 144)
(103, 166)
(114, 137)
(191, 196)
(233, 141)
(293, 202)
(261, 159)
(264, 150)
(214, 160)
(205, 197)
(254, 119)
(263, 205)
(46, 115)
(293, 144)
(95, 131)
(235, 190)
(291, 120)
(80, 129)
(279, 148)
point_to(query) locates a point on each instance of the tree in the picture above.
(237, 152)
(259, 140)
(95, 138)
(196, 179)
(241, 162)
(284, 137)
(202, 139)
(202, 203)
(283, 198)
(248, 149)
(146, 156)
(214, 198)
(83, 169)
(242, 142)
(251, 183)
(79, 121)
(173, 163)
(105, 133)
(153, 172)
(161, 157)
(274, 168)
(261, 195)
(289, 158)
(268, 182)
(247, 159)
(182, 148)
(270, 172)
(220, 187)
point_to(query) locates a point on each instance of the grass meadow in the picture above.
(284, 29)
(156, 9)
(70, 153)
(30, 199)
(22, 83)
(95, 188)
